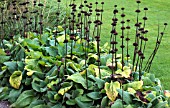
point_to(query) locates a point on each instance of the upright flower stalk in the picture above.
(158, 42)
(136, 43)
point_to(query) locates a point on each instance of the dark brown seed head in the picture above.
(145, 39)
(135, 44)
(122, 8)
(128, 27)
(128, 20)
(85, 1)
(137, 24)
(165, 24)
(138, 1)
(122, 46)
(137, 11)
(65, 41)
(145, 18)
(123, 28)
(121, 36)
(96, 2)
(122, 22)
(115, 11)
(145, 8)
(127, 39)
(40, 4)
(122, 15)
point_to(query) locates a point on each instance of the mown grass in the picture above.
(158, 13)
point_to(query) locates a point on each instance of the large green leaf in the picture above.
(161, 104)
(104, 102)
(111, 90)
(117, 104)
(35, 54)
(61, 49)
(3, 93)
(98, 81)
(44, 38)
(77, 92)
(147, 81)
(25, 99)
(66, 86)
(4, 58)
(12, 66)
(15, 79)
(39, 85)
(14, 94)
(50, 95)
(71, 102)
(32, 44)
(78, 79)
(126, 96)
(83, 102)
(94, 95)
(20, 54)
(52, 51)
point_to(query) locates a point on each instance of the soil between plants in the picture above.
(4, 104)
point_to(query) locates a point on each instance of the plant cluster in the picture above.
(65, 66)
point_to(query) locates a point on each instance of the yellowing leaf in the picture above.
(126, 72)
(65, 87)
(119, 65)
(131, 90)
(61, 38)
(2, 52)
(136, 85)
(30, 73)
(15, 79)
(60, 28)
(111, 90)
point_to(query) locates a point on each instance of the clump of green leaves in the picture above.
(32, 75)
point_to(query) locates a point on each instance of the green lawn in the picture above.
(159, 11)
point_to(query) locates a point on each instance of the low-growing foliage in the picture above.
(66, 66)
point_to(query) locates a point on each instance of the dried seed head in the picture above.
(165, 24)
(122, 8)
(123, 28)
(122, 22)
(138, 1)
(40, 4)
(85, 1)
(127, 39)
(115, 11)
(145, 8)
(145, 39)
(122, 37)
(135, 44)
(122, 46)
(128, 20)
(145, 18)
(128, 27)
(137, 11)
(122, 15)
